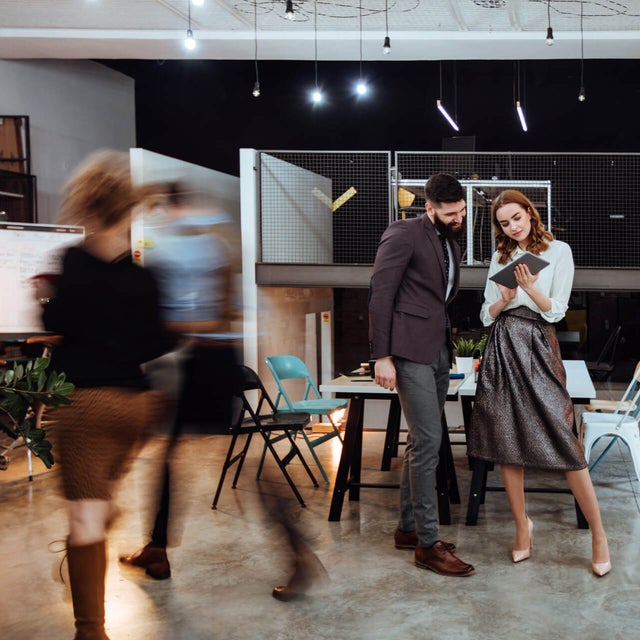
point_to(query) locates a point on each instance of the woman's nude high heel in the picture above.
(518, 555)
(601, 568)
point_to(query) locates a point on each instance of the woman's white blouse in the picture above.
(555, 281)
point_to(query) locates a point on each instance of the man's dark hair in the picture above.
(443, 187)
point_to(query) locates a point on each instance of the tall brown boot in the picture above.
(87, 568)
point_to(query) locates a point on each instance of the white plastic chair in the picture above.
(621, 424)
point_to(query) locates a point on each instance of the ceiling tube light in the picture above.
(289, 14)
(549, 29)
(386, 47)
(444, 112)
(582, 95)
(197, 3)
(523, 122)
(519, 108)
(189, 41)
(441, 108)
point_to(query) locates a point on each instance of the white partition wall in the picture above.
(296, 217)
(275, 319)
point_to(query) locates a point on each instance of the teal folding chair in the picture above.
(292, 368)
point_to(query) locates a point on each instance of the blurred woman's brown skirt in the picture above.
(98, 433)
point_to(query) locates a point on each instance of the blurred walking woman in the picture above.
(106, 309)
(523, 414)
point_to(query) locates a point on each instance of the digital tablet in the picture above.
(507, 278)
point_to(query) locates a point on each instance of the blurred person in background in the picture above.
(191, 253)
(107, 311)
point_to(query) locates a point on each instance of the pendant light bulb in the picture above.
(549, 36)
(189, 41)
(289, 14)
(361, 88)
(316, 96)
(386, 47)
(582, 96)
(256, 90)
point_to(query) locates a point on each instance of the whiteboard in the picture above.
(26, 250)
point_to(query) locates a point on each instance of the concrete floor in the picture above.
(226, 562)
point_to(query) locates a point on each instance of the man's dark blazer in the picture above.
(407, 308)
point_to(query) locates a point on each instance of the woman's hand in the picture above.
(507, 294)
(525, 279)
(385, 372)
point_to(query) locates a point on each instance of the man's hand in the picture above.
(385, 372)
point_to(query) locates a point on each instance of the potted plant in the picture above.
(481, 343)
(24, 388)
(465, 349)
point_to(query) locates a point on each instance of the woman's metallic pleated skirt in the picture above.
(522, 413)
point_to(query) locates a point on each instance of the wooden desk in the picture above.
(581, 390)
(349, 468)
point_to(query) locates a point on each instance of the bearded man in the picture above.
(415, 276)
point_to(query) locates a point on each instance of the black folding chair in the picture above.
(273, 427)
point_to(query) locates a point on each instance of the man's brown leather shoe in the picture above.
(409, 540)
(439, 559)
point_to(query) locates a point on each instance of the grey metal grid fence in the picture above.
(595, 198)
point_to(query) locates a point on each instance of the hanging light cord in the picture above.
(440, 79)
(455, 91)
(315, 37)
(386, 17)
(581, 45)
(255, 36)
(189, 13)
(549, 12)
(360, 9)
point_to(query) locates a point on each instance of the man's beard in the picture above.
(448, 230)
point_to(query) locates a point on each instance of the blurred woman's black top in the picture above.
(109, 316)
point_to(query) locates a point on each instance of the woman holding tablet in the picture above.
(523, 414)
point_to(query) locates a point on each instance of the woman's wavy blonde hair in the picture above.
(99, 193)
(539, 237)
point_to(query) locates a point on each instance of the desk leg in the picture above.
(445, 449)
(582, 521)
(392, 435)
(467, 408)
(356, 459)
(477, 490)
(354, 419)
(443, 474)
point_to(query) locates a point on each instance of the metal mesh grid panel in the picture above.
(594, 197)
(478, 244)
(321, 207)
